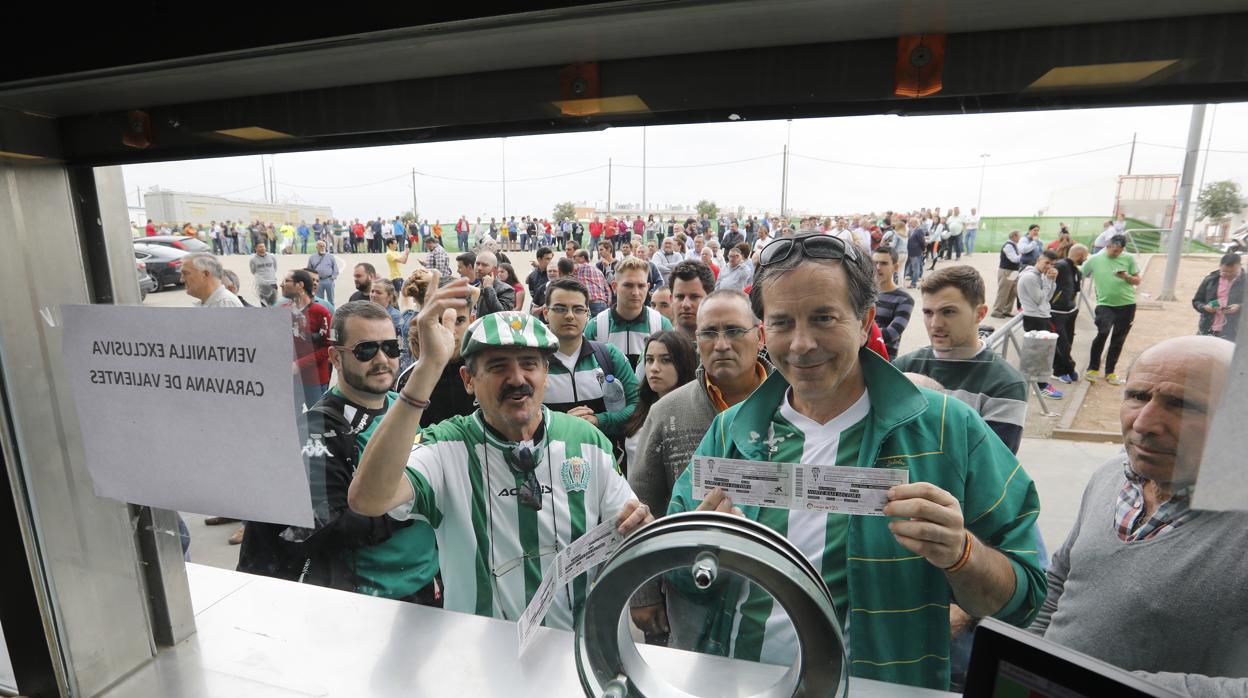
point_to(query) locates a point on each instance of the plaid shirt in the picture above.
(440, 260)
(1128, 516)
(593, 279)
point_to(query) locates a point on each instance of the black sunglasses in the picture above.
(530, 493)
(813, 245)
(365, 351)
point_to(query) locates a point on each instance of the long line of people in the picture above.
(467, 441)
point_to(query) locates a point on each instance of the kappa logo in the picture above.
(575, 472)
(315, 448)
(896, 463)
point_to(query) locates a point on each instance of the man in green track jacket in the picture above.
(961, 532)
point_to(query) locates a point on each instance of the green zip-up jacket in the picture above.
(898, 615)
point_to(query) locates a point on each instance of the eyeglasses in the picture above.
(814, 245)
(731, 333)
(515, 563)
(365, 351)
(564, 310)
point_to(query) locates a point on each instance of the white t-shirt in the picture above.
(807, 529)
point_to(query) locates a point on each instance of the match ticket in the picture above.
(583, 554)
(533, 614)
(589, 550)
(800, 486)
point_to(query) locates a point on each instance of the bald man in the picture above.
(1143, 581)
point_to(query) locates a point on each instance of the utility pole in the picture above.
(415, 214)
(608, 187)
(272, 180)
(504, 218)
(784, 184)
(264, 181)
(983, 167)
(1175, 252)
(643, 171)
(1131, 160)
(1213, 118)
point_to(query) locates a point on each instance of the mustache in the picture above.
(1150, 445)
(524, 390)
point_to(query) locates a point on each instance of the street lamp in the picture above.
(983, 164)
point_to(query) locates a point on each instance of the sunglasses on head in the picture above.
(365, 351)
(812, 245)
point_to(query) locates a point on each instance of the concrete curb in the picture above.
(1085, 435)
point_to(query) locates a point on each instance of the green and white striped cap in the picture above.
(507, 329)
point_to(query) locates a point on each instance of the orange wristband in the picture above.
(966, 556)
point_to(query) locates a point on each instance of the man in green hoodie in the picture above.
(961, 532)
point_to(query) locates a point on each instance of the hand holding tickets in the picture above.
(827, 488)
(582, 554)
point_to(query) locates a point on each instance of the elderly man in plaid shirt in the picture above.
(595, 282)
(1144, 581)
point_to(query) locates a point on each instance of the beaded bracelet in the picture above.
(418, 404)
(965, 558)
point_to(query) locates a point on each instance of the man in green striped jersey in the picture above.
(628, 323)
(962, 530)
(505, 488)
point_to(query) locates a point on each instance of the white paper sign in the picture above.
(801, 486)
(190, 409)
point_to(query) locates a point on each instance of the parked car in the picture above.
(146, 283)
(163, 263)
(181, 242)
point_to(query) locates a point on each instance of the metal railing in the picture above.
(1000, 341)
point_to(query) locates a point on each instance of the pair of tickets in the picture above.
(798, 486)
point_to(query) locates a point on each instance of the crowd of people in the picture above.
(461, 428)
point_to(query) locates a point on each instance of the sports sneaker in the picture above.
(1093, 376)
(1065, 378)
(1113, 379)
(1052, 394)
(1074, 376)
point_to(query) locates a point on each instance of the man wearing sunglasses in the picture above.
(505, 488)
(963, 528)
(374, 555)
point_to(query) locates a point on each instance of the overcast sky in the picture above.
(915, 161)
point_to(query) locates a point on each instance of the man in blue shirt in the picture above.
(303, 236)
(400, 233)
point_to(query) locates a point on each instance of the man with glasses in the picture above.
(729, 337)
(506, 488)
(577, 382)
(374, 555)
(962, 528)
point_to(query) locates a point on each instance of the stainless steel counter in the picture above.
(260, 637)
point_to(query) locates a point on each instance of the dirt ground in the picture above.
(1100, 408)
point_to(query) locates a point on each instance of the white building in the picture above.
(177, 208)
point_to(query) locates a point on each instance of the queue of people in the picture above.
(466, 441)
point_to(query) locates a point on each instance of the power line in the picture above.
(235, 191)
(345, 186)
(510, 179)
(1203, 150)
(704, 164)
(958, 167)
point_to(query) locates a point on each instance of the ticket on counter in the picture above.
(748, 483)
(589, 550)
(801, 486)
(533, 614)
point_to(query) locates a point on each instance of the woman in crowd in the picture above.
(413, 299)
(382, 293)
(708, 258)
(507, 275)
(670, 361)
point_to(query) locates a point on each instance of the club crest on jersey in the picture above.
(575, 473)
